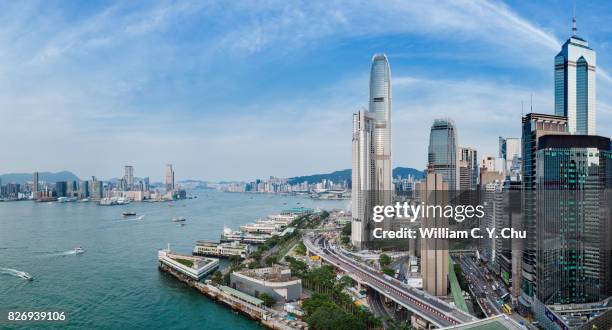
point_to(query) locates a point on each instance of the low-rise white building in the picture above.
(194, 267)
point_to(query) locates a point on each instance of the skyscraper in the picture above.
(35, 185)
(169, 178)
(575, 84)
(363, 173)
(128, 177)
(510, 154)
(443, 155)
(371, 171)
(380, 107)
(434, 252)
(468, 169)
(535, 126)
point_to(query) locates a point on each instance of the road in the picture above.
(429, 307)
(482, 289)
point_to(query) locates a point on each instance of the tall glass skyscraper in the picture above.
(380, 107)
(443, 156)
(575, 84)
(371, 168)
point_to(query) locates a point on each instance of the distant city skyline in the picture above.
(227, 92)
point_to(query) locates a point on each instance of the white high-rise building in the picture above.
(575, 84)
(371, 171)
(169, 178)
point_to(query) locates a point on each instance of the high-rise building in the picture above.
(61, 188)
(468, 169)
(35, 185)
(434, 251)
(510, 154)
(84, 189)
(575, 84)
(535, 126)
(169, 178)
(443, 156)
(146, 186)
(363, 173)
(128, 177)
(371, 171)
(380, 108)
(573, 229)
(96, 189)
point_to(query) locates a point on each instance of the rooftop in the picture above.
(241, 295)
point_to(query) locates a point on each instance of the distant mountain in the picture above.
(42, 176)
(404, 172)
(339, 176)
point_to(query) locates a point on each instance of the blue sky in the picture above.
(246, 89)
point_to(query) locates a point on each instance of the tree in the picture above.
(300, 249)
(267, 299)
(388, 271)
(271, 259)
(384, 260)
(217, 277)
(346, 281)
(235, 260)
(334, 319)
(346, 230)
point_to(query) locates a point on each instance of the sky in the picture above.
(237, 90)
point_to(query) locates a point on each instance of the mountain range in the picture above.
(339, 176)
(22, 178)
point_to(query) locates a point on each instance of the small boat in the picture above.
(128, 213)
(25, 276)
(79, 250)
(179, 219)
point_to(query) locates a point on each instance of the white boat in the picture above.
(25, 276)
(79, 250)
(179, 219)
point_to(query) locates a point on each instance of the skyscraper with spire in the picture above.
(371, 168)
(575, 84)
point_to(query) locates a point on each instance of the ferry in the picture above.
(25, 276)
(179, 219)
(79, 250)
(128, 213)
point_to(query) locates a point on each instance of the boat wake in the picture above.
(16, 273)
(62, 253)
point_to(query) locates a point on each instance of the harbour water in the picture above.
(116, 283)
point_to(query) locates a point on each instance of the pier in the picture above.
(249, 307)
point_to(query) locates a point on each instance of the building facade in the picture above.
(575, 84)
(371, 160)
(443, 153)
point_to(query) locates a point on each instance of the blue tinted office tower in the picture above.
(575, 84)
(443, 155)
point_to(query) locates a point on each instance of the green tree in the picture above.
(267, 299)
(346, 230)
(384, 260)
(388, 271)
(333, 319)
(217, 277)
(300, 249)
(271, 259)
(235, 260)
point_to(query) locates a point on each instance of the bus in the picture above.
(506, 308)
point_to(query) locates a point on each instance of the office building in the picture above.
(83, 189)
(61, 189)
(575, 84)
(169, 178)
(510, 154)
(434, 252)
(534, 127)
(443, 155)
(128, 177)
(35, 185)
(371, 142)
(468, 169)
(573, 229)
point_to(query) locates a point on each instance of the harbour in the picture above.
(121, 249)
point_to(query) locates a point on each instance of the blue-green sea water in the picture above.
(115, 283)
